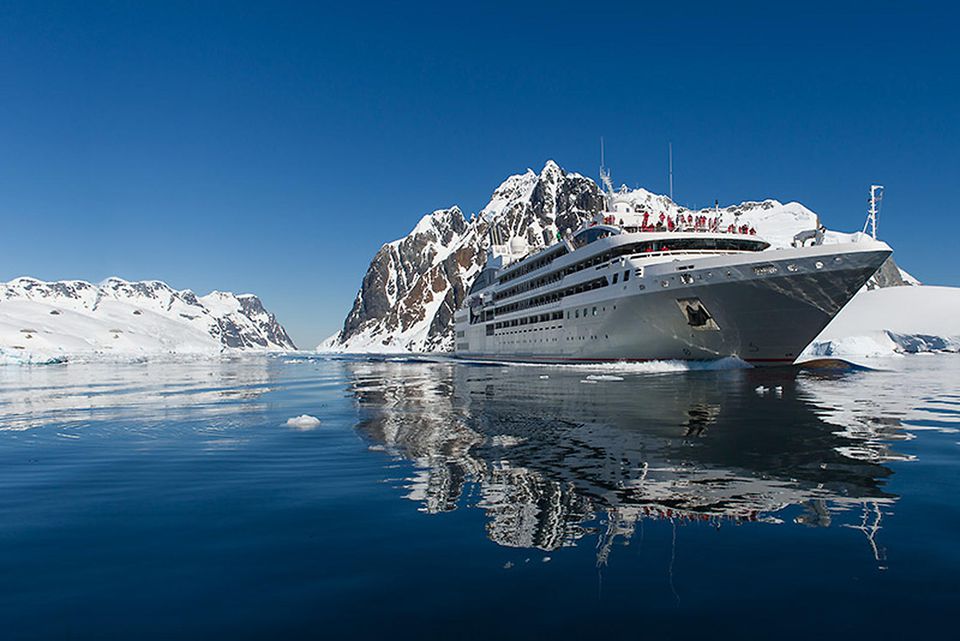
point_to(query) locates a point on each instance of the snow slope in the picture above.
(67, 320)
(893, 320)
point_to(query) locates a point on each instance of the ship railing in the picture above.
(682, 252)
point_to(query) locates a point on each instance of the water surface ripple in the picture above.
(451, 500)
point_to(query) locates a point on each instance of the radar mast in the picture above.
(876, 197)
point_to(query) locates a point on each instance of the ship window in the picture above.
(626, 275)
(576, 313)
(765, 270)
(615, 276)
(490, 329)
(594, 311)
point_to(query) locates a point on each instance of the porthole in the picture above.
(792, 268)
(818, 265)
(664, 283)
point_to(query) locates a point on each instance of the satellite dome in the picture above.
(518, 245)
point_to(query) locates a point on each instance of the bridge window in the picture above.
(592, 234)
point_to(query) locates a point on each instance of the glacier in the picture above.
(70, 320)
(892, 321)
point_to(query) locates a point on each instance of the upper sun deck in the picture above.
(623, 221)
(600, 243)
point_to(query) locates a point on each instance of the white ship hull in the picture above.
(763, 307)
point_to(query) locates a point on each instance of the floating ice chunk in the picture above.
(544, 376)
(303, 422)
(604, 377)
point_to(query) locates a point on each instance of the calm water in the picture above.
(159, 501)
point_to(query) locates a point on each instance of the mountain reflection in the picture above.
(161, 392)
(553, 455)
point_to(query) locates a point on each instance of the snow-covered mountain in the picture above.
(42, 321)
(414, 284)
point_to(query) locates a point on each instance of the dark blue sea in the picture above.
(454, 501)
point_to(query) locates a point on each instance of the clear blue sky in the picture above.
(274, 147)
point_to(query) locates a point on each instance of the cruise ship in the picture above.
(628, 288)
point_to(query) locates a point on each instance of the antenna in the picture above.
(670, 166)
(876, 197)
(605, 177)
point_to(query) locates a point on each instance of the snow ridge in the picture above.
(63, 320)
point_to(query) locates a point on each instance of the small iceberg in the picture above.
(303, 422)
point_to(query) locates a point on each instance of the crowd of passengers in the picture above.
(664, 223)
(688, 222)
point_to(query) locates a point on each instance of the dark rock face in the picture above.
(413, 286)
(270, 332)
(887, 276)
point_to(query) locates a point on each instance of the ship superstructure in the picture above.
(629, 287)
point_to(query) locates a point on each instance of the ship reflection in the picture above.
(554, 455)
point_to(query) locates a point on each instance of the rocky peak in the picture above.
(414, 284)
